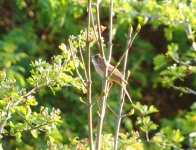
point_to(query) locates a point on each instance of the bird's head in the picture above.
(96, 58)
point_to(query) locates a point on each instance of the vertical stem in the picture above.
(110, 33)
(103, 101)
(127, 49)
(99, 31)
(94, 28)
(121, 95)
(105, 81)
(3, 123)
(147, 136)
(72, 55)
(191, 136)
(82, 58)
(102, 115)
(90, 118)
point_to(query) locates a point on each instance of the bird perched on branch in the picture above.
(116, 75)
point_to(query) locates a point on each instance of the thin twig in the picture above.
(191, 136)
(32, 128)
(105, 81)
(89, 92)
(33, 90)
(110, 34)
(108, 106)
(164, 145)
(24, 119)
(102, 114)
(128, 114)
(99, 31)
(82, 57)
(179, 62)
(147, 136)
(77, 71)
(136, 13)
(185, 90)
(3, 123)
(104, 85)
(127, 49)
(118, 122)
(94, 28)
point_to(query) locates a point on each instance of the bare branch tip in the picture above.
(138, 28)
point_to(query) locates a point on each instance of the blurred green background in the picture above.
(33, 29)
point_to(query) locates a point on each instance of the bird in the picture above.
(116, 75)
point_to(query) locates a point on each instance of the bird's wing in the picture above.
(117, 73)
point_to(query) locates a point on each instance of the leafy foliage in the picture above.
(162, 62)
(17, 114)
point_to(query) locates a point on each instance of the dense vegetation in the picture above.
(43, 92)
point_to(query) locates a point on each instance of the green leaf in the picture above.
(31, 101)
(34, 133)
(168, 33)
(11, 124)
(51, 138)
(1, 148)
(160, 61)
(152, 109)
(18, 136)
(177, 136)
(2, 76)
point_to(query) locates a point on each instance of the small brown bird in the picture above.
(116, 76)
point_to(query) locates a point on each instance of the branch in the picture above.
(94, 28)
(99, 31)
(105, 81)
(147, 136)
(127, 49)
(3, 123)
(108, 106)
(32, 91)
(179, 62)
(110, 35)
(77, 71)
(191, 136)
(32, 128)
(24, 119)
(185, 90)
(128, 114)
(122, 94)
(136, 13)
(82, 57)
(165, 144)
(89, 92)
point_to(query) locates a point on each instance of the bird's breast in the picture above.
(98, 69)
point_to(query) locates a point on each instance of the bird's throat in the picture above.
(99, 68)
